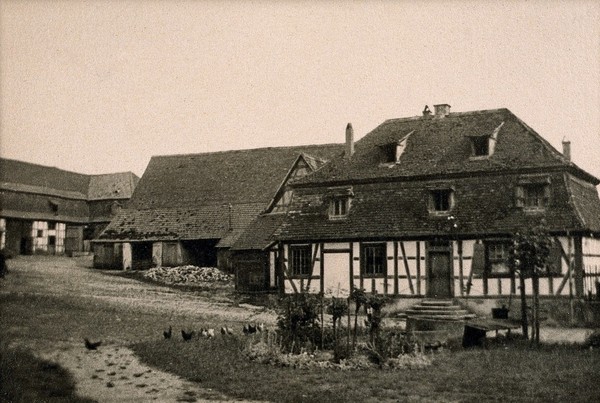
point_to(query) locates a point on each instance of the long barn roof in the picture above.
(208, 195)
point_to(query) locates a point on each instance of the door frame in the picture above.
(436, 246)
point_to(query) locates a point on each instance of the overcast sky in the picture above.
(101, 86)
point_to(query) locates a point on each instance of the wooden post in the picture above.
(578, 266)
(396, 290)
(524, 324)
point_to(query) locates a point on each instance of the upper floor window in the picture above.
(374, 260)
(481, 146)
(339, 207)
(393, 151)
(441, 200)
(533, 193)
(300, 260)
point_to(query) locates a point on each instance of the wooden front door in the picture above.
(439, 277)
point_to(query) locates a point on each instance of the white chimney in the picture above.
(349, 141)
(566, 149)
(441, 110)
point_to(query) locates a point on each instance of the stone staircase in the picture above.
(438, 309)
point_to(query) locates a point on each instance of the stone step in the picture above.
(412, 312)
(437, 302)
(447, 318)
(437, 307)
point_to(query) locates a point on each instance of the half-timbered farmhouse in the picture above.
(426, 206)
(190, 209)
(50, 210)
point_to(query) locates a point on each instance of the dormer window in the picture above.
(441, 200)
(339, 206)
(483, 145)
(339, 201)
(393, 151)
(533, 193)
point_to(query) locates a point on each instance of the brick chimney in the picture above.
(349, 141)
(441, 110)
(566, 149)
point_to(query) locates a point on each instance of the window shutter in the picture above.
(546, 195)
(519, 196)
(555, 259)
(478, 260)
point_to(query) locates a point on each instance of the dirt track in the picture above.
(50, 303)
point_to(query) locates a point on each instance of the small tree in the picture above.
(359, 297)
(529, 256)
(337, 308)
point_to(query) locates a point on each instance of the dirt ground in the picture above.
(49, 304)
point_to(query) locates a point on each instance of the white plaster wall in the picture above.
(157, 248)
(336, 273)
(127, 257)
(591, 264)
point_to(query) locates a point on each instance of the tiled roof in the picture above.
(584, 197)
(484, 205)
(193, 222)
(260, 233)
(39, 176)
(441, 146)
(112, 186)
(39, 179)
(242, 176)
(207, 196)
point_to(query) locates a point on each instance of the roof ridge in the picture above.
(450, 115)
(250, 149)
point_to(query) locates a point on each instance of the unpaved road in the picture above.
(49, 304)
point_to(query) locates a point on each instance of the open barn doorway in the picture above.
(201, 252)
(141, 255)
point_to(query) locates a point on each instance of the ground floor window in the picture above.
(374, 260)
(300, 260)
(497, 259)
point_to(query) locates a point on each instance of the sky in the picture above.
(101, 86)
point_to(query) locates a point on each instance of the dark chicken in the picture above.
(168, 333)
(91, 346)
(187, 336)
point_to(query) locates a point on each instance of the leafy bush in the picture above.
(298, 322)
(593, 339)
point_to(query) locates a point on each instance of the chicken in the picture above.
(210, 333)
(187, 336)
(168, 333)
(204, 332)
(249, 328)
(226, 330)
(91, 346)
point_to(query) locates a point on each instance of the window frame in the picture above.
(339, 207)
(526, 185)
(373, 272)
(300, 266)
(489, 260)
(479, 144)
(432, 203)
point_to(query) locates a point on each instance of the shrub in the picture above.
(298, 322)
(593, 339)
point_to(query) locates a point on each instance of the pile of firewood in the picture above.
(187, 275)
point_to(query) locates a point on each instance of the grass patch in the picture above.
(516, 373)
(25, 378)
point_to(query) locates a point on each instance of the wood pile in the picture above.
(187, 275)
